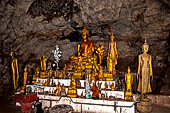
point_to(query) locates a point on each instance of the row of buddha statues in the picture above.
(84, 62)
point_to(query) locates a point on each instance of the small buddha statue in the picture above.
(63, 90)
(112, 87)
(100, 51)
(144, 74)
(14, 68)
(60, 75)
(72, 90)
(128, 81)
(43, 62)
(106, 85)
(58, 89)
(95, 94)
(112, 52)
(50, 72)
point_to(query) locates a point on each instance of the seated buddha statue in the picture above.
(112, 87)
(72, 90)
(84, 58)
(87, 47)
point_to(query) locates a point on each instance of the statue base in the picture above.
(144, 106)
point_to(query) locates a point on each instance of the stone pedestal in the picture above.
(144, 106)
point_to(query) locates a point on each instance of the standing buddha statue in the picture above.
(144, 73)
(128, 81)
(112, 54)
(100, 51)
(43, 62)
(15, 72)
(58, 89)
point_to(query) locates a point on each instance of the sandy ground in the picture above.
(5, 107)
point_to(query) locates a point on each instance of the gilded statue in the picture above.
(87, 47)
(128, 81)
(15, 72)
(63, 90)
(112, 53)
(100, 51)
(43, 62)
(58, 89)
(112, 86)
(72, 90)
(144, 73)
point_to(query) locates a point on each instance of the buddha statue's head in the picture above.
(85, 33)
(145, 47)
(112, 37)
(128, 69)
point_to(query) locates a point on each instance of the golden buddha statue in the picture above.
(43, 62)
(144, 73)
(106, 85)
(36, 75)
(112, 54)
(58, 89)
(60, 75)
(87, 47)
(72, 90)
(112, 87)
(25, 80)
(50, 72)
(14, 68)
(63, 90)
(84, 59)
(100, 51)
(128, 81)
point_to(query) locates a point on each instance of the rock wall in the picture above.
(131, 21)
